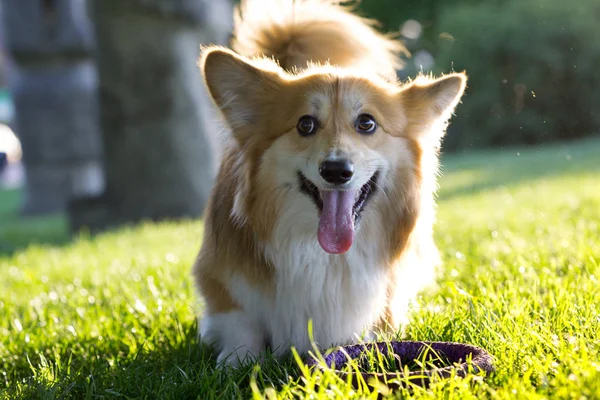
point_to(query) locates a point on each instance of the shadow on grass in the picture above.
(179, 368)
(18, 232)
(470, 173)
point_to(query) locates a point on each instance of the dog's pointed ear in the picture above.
(429, 103)
(239, 86)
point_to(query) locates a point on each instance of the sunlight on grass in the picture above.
(113, 316)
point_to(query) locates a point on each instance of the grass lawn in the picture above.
(114, 316)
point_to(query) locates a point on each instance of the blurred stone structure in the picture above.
(54, 87)
(159, 133)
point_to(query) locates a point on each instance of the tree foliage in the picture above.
(532, 65)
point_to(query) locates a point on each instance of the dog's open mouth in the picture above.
(309, 188)
(339, 211)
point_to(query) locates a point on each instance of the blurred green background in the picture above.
(124, 122)
(532, 64)
(129, 125)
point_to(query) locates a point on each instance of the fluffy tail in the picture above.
(298, 32)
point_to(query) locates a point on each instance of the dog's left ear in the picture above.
(240, 87)
(429, 103)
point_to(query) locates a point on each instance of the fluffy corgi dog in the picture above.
(324, 203)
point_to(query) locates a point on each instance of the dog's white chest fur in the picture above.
(342, 295)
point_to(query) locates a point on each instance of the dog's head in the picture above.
(329, 142)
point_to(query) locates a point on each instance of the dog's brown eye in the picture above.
(307, 125)
(366, 124)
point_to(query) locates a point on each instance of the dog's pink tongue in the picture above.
(336, 226)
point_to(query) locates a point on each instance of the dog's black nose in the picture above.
(337, 171)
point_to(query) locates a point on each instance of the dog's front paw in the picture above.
(239, 357)
(237, 337)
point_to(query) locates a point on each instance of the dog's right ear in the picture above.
(240, 87)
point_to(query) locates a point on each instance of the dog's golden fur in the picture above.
(314, 57)
(317, 31)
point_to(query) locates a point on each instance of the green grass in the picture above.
(113, 316)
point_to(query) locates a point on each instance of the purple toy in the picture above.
(455, 356)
